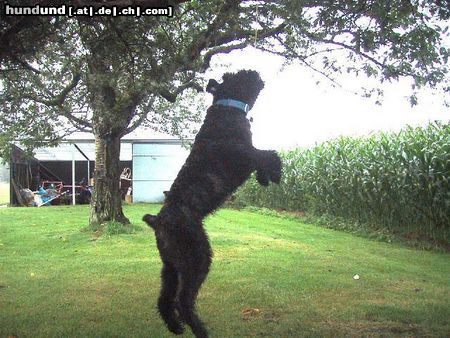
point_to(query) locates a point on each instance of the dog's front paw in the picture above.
(262, 178)
(275, 169)
(275, 176)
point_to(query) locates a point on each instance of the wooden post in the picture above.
(73, 176)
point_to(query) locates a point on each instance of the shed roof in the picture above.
(66, 149)
(85, 142)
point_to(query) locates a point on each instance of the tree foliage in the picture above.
(59, 69)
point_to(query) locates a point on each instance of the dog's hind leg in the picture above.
(191, 281)
(186, 306)
(166, 301)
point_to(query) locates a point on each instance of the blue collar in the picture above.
(235, 104)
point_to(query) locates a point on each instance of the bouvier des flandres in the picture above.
(221, 159)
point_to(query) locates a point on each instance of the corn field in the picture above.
(389, 179)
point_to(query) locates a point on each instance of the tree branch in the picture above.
(261, 35)
(142, 116)
(25, 64)
(69, 115)
(221, 50)
(172, 96)
(59, 99)
(357, 51)
(203, 39)
(240, 35)
(354, 50)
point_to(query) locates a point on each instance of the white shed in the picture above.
(155, 166)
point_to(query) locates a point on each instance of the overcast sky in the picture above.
(293, 111)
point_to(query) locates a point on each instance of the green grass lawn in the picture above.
(271, 277)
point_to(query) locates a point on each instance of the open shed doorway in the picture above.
(60, 175)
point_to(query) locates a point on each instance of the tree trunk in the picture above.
(106, 204)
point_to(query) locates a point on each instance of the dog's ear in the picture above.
(227, 76)
(212, 86)
(150, 220)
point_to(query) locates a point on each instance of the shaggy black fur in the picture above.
(221, 159)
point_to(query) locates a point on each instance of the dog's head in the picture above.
(244, 86)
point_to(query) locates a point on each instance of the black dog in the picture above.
(221, 159)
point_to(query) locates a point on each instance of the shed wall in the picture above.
(155, 167)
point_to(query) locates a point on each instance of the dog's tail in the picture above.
(150, 220)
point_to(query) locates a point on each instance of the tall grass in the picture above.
(394, 180)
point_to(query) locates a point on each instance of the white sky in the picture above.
(293, 111)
